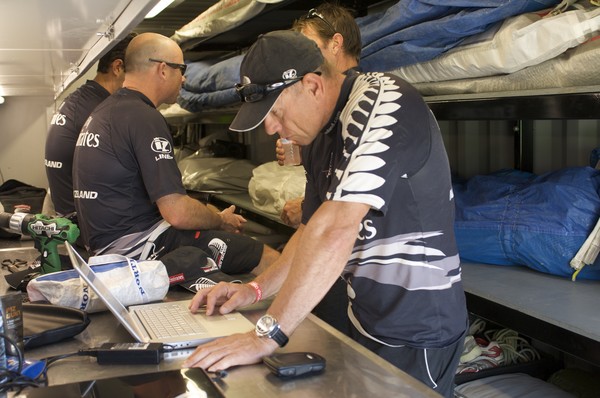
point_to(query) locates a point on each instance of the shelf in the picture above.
(244, 207)
(276, 16)
(538, 105)
(550, 309)
(523, 105)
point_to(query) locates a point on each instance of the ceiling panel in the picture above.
(174, 17)
(45, 45)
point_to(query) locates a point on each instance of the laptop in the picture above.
(169, 323)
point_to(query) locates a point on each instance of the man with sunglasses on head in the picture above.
(127, 187)
(337, 35)
(378, 210)
(335, 31)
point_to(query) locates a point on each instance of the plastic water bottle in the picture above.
(292, 153)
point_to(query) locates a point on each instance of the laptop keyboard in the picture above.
(170, 321)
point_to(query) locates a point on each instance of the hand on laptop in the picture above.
(229, 296)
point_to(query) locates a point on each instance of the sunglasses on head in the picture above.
(313, 13)
(253, 92)
(181, 67)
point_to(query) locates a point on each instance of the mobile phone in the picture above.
(293, 364)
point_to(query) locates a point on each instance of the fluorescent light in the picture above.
(1, 100)
(162, 4)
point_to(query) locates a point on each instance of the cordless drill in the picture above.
(47, 234)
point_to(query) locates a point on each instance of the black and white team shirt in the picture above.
(64, 129)
(124, 163)
(382, 147)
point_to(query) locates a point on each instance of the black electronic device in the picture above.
(294, 364)
(126, 353)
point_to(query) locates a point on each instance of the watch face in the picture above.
(265, 324)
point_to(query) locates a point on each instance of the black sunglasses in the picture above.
(252, 92)
(313, 13)
(181, 67)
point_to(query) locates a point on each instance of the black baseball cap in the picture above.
(187, 265)
(275, 61)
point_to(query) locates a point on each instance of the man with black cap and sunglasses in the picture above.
(382, 217)
(128, 190)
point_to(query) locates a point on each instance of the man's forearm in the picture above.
(272, 278)
(184, 212)
(321, 254)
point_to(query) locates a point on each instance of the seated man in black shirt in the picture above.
(70, 117)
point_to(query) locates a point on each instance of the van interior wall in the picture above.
(539, 146)
(23, 124)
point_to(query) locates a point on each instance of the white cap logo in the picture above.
(289, 74)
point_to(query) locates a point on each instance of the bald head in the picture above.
(153, 67)
(150, 45)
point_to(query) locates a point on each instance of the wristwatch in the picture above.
(267, 326)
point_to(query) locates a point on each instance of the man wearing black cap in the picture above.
(383, 216)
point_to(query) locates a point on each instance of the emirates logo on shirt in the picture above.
(59, 119)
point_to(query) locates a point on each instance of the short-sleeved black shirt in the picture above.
(383, 148)
(60, 141)
(123, 163)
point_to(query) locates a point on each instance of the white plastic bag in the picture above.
(272, 185)
(132, 282)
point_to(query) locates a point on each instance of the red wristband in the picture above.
(257, 290)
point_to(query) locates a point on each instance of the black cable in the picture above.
(52, 359)
(13, 379)
(17, 350)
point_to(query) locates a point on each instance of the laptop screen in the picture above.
(113, 304)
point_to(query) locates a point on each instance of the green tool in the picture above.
(47, 234)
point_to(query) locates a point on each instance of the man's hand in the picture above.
(279, 152)
(232, 222)
(237, 349)
(229, 296)
(292, 212)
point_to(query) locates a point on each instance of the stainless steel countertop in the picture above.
(351, 371)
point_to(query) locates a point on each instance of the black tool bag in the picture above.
(47, 323)
(16, 193)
